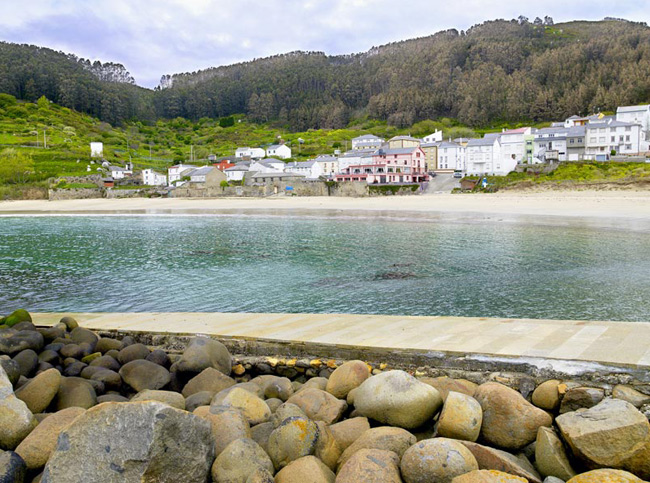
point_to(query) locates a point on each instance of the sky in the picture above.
(152, 38)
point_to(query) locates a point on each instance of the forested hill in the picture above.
(510, 71)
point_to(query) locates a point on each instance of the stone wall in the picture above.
(75, 194)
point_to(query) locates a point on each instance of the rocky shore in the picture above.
(76, 406)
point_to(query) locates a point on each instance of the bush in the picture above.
(227, 121)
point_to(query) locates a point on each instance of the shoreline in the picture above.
(596, 204)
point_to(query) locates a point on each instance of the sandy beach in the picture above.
(624, 206)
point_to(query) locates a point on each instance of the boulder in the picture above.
(16, 317)
(16, 420)
(133, 352)
(261, 434)
(397, 399)
(612, 434)
(509, 421)
(445, 384)
(550, 456)
(606, 476)
(81, 335)
(202, 353)
(27, 362)
(631, 395)
(160, 357)
(227, 425)
(107, 362)
(210, 380)
(260, 475)
(275, 386)
(20, 341)
(293, 439)
(348, 431)
(254, 409)
(327, 449)
(319, 405)
(346, 377)
(112, 397)
(170, 398)
(132, 442)
(547, 396)
(274, 403)
(581, 397)
(11, 368)
(371, 466)
(439, 460)
(284, 411)
(488, 476)
(75, 392)
(12, 467)
(386, 438)
(105, 344)
(461, 417)
(74, 351)
(306, 469)
(239, 460)
(49, 356)
(495, 459)
(69, 322)
(141, 375)
(198, 399)
(38, 393)
(111, 380)
(38, 446)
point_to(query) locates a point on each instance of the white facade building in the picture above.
(602, 138)
(96, 150)
(118, 172)
(250, 153)
(451, 156)
(355, 158)
(237, 172)
(513, 148)
(175, 173)
(637, 115)
(436, 137)
(310, 169)
(367, 141)
(281, 151)
(329, 165)
(153, 178)
(264, 166)
(484, 156)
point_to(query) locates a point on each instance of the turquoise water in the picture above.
(301, 264)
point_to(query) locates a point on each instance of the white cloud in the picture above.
(152, 38)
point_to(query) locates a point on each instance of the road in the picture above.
(443, 183)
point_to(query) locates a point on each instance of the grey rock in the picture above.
(141, 374)
(12, 468)
(202, 353)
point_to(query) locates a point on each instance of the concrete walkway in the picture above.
(619, 343)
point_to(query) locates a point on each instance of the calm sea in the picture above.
(322, 264)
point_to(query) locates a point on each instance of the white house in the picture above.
(450, 156)
(250, 153)
(367, 141)
(637, 115)
(329, 165)
(436, 137)
(96, 150)
(550, 144)
(483, 156)
(281, 151)
(513, 148)
(604, 137)
(118, 172)
(237, 172)
(198, 175)
(153, 178)
(355, 158)
(175, 173)
(311, 169)
(264, 166)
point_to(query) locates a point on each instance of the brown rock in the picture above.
(141, 374)
(495, 459)
(439, 460)
(275, 387)
(547, 396)
(444, 384)
(170, 398)
(612, 434)
(239, 460)
(509, 421)
(319, 405)
(488, 476)
(293, 439)
(370, 466)
(254, 409)
(631, 395)
(210, 380)
(461, 417)
(581, 397)
(386, 438)
(36, 448)
(550, 457)
(346, 377)
(327, 449)
(75, 392)
(348, 431)
(227, 425)
(306, 469)
(605, 476)
(40, 391)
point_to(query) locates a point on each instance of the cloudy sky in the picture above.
(152, 38)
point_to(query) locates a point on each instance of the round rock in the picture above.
(239, 460)
(141, 375)
(439, 460)
(461, 417)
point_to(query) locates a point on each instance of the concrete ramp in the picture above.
(442, 183)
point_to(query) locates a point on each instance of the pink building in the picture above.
(399, 165)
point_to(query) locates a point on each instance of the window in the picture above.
(571, 141)
(601, 139)
(628, 128)
(627, 138)
(628, 147)
(592, 140)
(613, 139)
(620, 139)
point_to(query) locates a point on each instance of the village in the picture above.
(405, 160)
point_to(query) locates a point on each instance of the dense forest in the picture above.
(498, 71)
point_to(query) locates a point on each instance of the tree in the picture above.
(548, 20)
(15, 167)
(538, 21)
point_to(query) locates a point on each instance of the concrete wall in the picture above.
(75, 194)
